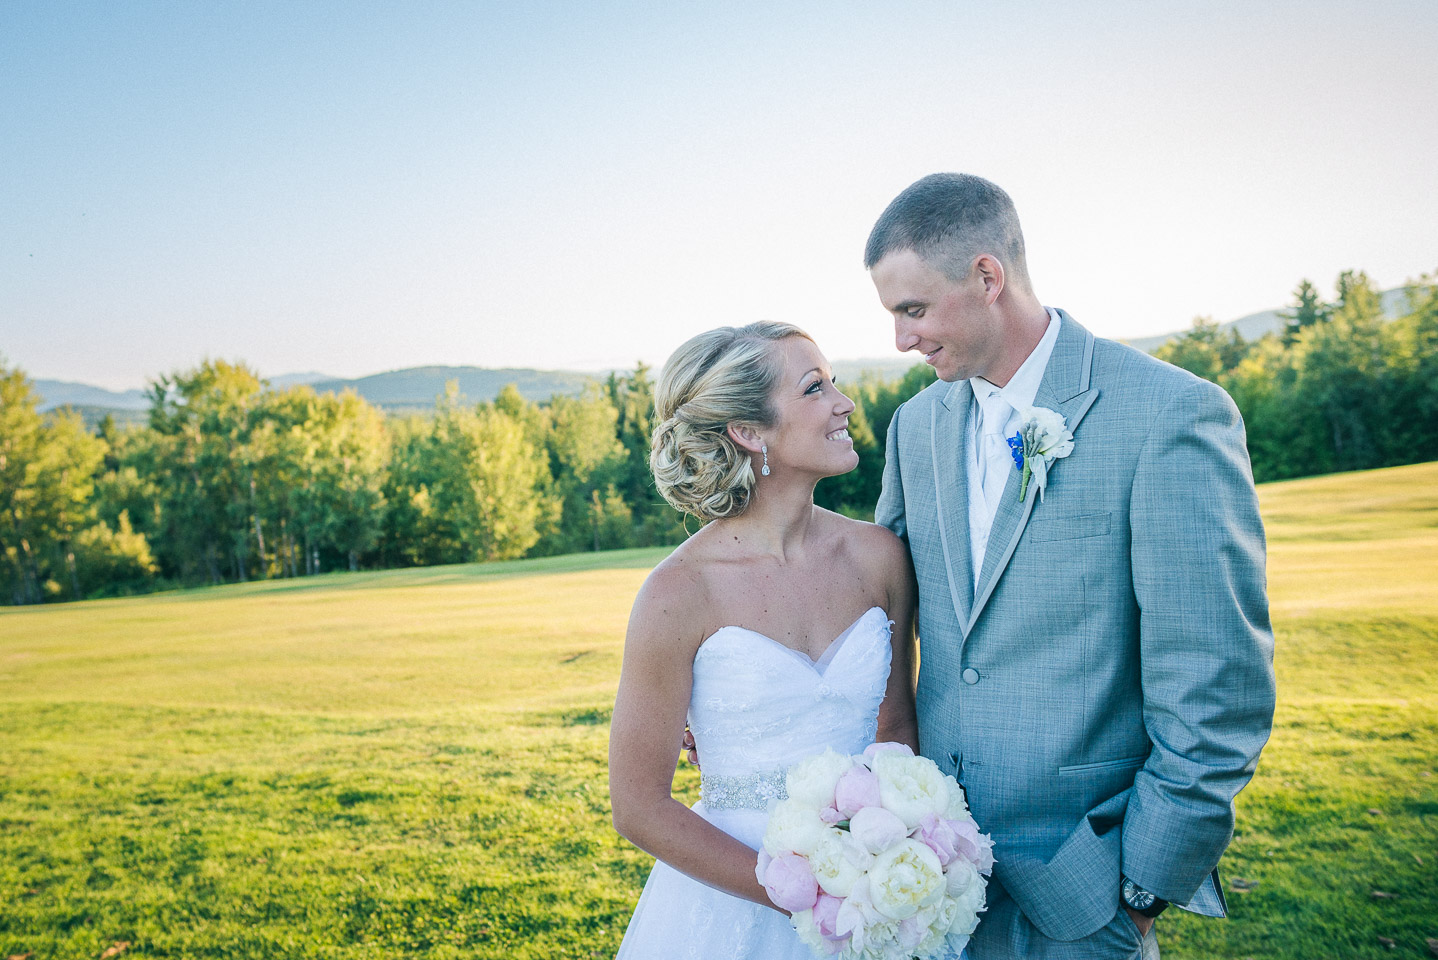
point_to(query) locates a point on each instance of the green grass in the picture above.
(1345, 802)
(411, 763)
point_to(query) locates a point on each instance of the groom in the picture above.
(1096, 652)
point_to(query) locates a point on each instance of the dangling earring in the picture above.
(764, 449)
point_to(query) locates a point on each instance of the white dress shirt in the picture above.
(993, 417)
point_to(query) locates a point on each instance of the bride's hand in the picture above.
(689, 747)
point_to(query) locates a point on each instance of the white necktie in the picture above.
(994, 453)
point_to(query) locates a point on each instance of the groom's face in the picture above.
(944, 319)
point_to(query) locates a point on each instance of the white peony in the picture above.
(881, 940)
(959, 877)
(956, 944)
(939, 917)
(808, 931)
(911, 787)
(958, 808)
(966, 888)
(793, 828)
(812, 781)
(838, 861)
(904, 878)
(877, 829)
(856, 915)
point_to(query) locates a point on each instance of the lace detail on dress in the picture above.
(754, 791)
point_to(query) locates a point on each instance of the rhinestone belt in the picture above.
(753, 791)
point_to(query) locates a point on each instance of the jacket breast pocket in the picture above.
(1067, 528)
(1121, 763)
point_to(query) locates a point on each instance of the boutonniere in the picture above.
(1043, 437)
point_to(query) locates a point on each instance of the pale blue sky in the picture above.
(354, 187)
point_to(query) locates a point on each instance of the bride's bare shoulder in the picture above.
(675, 600)
(866, 543)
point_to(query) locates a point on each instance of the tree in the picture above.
(1413, 425)
(1308, 310)
(587, 461)
(47, 468)
(1283, 439)
(115, 561)
(203, 466)
(408, 512)
(322, 477)
(352, 459)
(465, 486)
(1342, 383)
(1205, 350)
(655, 522)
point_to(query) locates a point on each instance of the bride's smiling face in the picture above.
(811, 417)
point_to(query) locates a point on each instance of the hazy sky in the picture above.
(353, 187)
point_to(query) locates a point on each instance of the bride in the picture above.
(777, 630)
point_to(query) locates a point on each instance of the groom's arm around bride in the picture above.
(1096, 662)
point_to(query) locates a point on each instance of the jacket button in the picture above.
(971, 675)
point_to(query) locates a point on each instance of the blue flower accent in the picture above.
(1016, 449)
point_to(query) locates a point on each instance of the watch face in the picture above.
(1136, 897)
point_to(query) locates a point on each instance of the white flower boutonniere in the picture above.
(1043, 437)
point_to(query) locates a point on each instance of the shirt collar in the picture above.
(1023, 388)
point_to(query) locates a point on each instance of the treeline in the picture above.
(1340, 387)
(231, 481)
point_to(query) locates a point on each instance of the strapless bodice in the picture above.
(758, 707)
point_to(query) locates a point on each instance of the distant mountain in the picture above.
(417, 387)
(1255, 325)
(64, 393)
(292, 379)
(887, 368)
(94, 416)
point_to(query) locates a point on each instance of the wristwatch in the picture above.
(1140, 901)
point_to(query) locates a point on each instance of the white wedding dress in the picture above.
(757, 708)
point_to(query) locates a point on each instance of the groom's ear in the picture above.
(745, 437)
(991, 272)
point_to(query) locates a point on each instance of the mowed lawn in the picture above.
(412, 763)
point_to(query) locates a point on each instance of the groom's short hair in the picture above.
(948, 219)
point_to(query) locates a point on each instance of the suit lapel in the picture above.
(1065, 388)
(949, 435)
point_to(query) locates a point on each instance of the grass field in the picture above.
(411, 763)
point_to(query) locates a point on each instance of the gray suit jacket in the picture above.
(1105, 692)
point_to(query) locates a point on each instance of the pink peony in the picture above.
(856, 789)
(973, 846)
(910, 933)
(826, 914)
(832, 816)
(941, 837)
(790, 883)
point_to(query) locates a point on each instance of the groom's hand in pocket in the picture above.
(1143, 923)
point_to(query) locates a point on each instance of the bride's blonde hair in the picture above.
(720, 377)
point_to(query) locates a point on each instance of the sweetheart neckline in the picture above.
(784, 646)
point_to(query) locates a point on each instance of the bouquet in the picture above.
(876, 856)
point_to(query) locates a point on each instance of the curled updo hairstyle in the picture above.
(717, 378)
